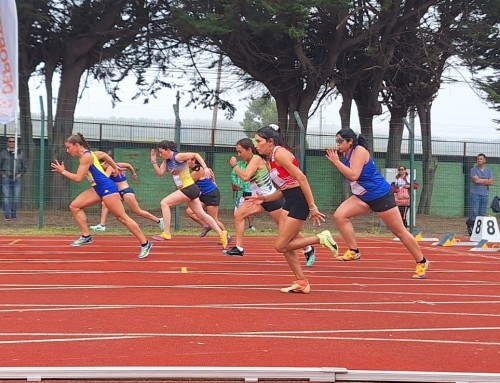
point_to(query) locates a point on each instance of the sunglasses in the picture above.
(11, 142)
(339, 140)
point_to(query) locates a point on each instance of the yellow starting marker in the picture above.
(447, 240)
(482, 245)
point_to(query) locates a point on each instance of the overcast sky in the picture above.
(457, 111)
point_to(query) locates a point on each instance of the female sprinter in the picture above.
(299, 204)
(371, 192)
(176, 164)
(257, 173)
(103, 189)
(127, 194)
(209, 196)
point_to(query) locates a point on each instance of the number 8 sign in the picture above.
(485, 228)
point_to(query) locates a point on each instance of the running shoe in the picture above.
(82, 241)
(325, 239)
(349, 255)
(251, 228)
(421, 269)
(298, 287)
(145, 250)
(234, 251)
(224, 239)
(310, 257)
(204, 231)
(161, 225)
(98, 227)
(229, 240)
(163, 236)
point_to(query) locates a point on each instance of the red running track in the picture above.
(190, 305)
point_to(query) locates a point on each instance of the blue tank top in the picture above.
(206, 185)
(370, 184)
(96, 175)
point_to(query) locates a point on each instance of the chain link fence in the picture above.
(45, 197)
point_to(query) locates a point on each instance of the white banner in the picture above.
(9, 89)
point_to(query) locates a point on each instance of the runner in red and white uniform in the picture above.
(299, 204)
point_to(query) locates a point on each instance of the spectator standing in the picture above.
(12, 167)
(481, 178)
(402, 193)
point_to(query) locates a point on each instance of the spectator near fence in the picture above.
(401, 187)
(481, 178)
(12, 167)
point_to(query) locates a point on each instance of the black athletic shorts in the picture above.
(211, 198)
(125, 191)
(295, 203)
(384, 203)
(273, 205)
(191, 191)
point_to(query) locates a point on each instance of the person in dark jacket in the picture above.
(12, 167)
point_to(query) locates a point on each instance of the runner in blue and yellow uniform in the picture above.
(371, 192)
(126, 192)
(188, 192)
(103, 189)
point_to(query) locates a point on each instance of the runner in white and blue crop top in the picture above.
(371, 192)
(176, 164)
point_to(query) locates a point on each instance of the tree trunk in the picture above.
(429, 163)
(366, 122)
(63, 127)
(396, 129)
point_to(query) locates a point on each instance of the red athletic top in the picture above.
(280, 175)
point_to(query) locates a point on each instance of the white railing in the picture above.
(247, 374)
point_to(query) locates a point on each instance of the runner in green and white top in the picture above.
(257, 173)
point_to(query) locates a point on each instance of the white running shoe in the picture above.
(98, 227)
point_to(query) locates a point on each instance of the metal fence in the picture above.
(42, 204)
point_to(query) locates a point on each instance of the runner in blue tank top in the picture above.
(103, 189)
(371, 192)
(209, 197)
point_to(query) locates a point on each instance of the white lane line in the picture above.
(243, 335)
(236, 307)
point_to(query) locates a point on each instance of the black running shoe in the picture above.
(234, 251)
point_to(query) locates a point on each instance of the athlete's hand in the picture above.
(316, 216)
(57, 166)
(153, 156)
(333, 155)
(233, 161)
